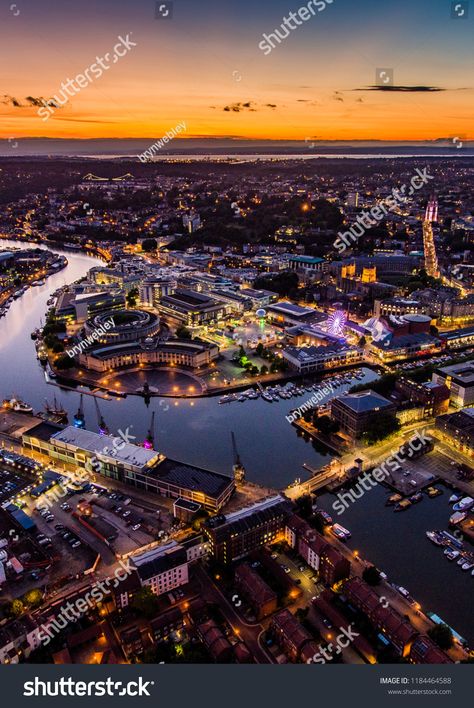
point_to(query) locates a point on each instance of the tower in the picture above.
(431, 259)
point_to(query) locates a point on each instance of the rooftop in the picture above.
(105, 446)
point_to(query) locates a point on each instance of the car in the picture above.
(76, 544)
(67, 535)
(327, 623)
(301, 568)
(50, 518)
(59, 527)
(136, 527)
(274, 555)
(126, 513)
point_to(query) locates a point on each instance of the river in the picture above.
(198, 431)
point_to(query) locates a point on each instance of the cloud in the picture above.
(240, 106)
(407, 89)
(30, 101)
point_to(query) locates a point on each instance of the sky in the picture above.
(201, 65)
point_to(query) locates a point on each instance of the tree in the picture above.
(17, 608)
(371, 576)
(183, 332)
(132, 297)
(145, 602)
(380, 428)
(264, 370)
(259, 349)
(33, 598)
(64, 362)
(148, 245)
(442, 636)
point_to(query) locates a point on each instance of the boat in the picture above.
(267, 397)
(393, 499)
(404, 504)
(468, 566)
(464, 505)
(435, 538)
(415, 498)
(453, 540)
(55, 410)
(457, 517)
(340, 532)
(17, 405)
(433, 492)
(225, 399)
(323, 515)
(461, 560)
(454, 498)
(452, 555)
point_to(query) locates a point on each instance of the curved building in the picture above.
(128, 325)
(190, 353)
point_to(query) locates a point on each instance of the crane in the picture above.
(238, 468)
(150, 438)
(103, 429)
(79, 419)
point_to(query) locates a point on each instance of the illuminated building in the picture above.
(431, 259)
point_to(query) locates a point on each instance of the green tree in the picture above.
(264, 370)
(148, 245)
(371, 575)
(145, 602)
(183, 332)
(442, 636)
(132, 297)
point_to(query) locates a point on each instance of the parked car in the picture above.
(136, 527)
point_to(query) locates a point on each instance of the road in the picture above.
(249, 633)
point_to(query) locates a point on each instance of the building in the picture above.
(458, 338)
(320, 555)
(75, 307)
(459, 379)
(166, 624)
(292, 637)
(287, 314)
(186, 307)
(432, 397)
(306, 264)
(255, 591)
(153, 289)
(215, 641)
(458, 429)
(185, 510)
(355, 411)
(235, 535)
(124, 325)
(310, 359)
(163, 568)
(189, 353)
(132, 464)
(175, 480)
(393, 627)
